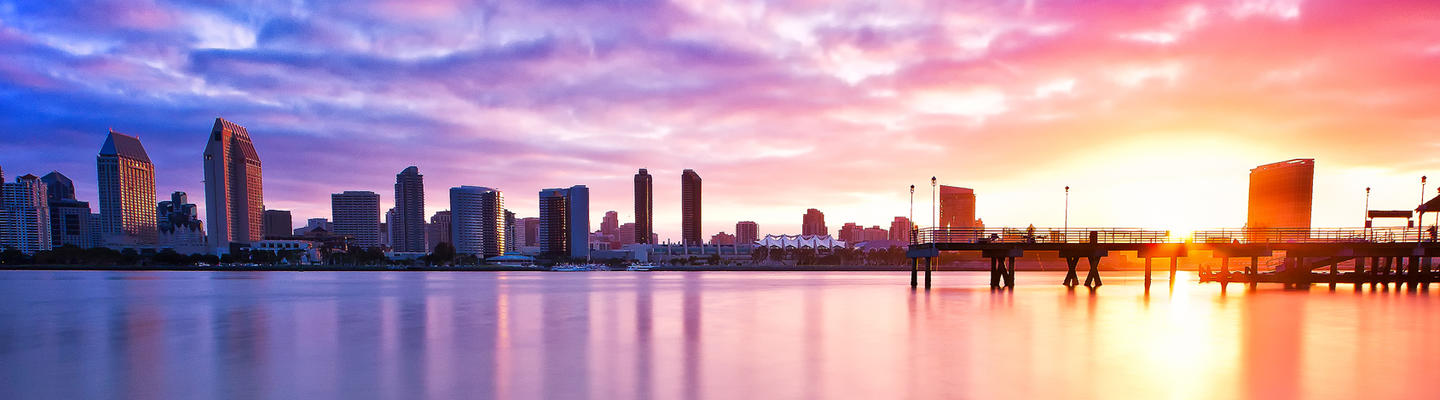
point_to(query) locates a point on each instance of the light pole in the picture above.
(911, 229)
(1367, 207)
(934, 211)
(1067, 214)
(1420, 222)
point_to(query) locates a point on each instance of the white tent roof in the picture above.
(800, 242)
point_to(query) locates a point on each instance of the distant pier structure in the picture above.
(1376, 255)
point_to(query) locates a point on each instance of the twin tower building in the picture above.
(234, 199)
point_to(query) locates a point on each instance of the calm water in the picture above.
(661, 335)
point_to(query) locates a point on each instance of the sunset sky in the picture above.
(1152, 111)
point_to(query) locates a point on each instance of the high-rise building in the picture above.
(850, 233)
(127, 191)
(357, 214)
(565, 221)
(277, 223)
(179, 226)
(314, 224)
(1281, 194)
(509, 231)
(873, 233)
(408, 227)
(626, 234)
(690, 208)
(644, 207)
(438, 230)
(814, 224)
(610, 224)
(957, 207)
(69, 217)
(477, 221)
(385, 227)
(900, 229)
(234, 195)
(747, 232)
(27, 215)
(529, 231)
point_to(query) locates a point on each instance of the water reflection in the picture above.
(698, 335)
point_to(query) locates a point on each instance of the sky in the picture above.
(1152, 111)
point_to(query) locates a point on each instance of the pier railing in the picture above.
(1314, 235)
(1039, 235)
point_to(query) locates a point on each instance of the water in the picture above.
(662, 335)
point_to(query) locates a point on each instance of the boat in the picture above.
(639, 267)
(568, 268)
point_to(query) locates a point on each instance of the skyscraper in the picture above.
(957, 207)
(814, 224)
(626, 233)
(690, 208)
(746, 232)
(851, 232)
(69, 217)
(610, 224)
(644, 206)
(1281, 194)
(27, 215)
(127, 191)
(565, 221)
(900, 229)
(277, 223)
(408, 227)
(509, 231)
(438, 230)
(179, 226)
(385, 227)
(357, 214)
(234, 199)
(529, 231)
(477, 221)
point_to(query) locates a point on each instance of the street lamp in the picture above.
(1420, 222)
(911, 229)
(1367, 207)
(934, 211)
(1067, 213)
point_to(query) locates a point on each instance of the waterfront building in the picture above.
(610, 224)
(357, 214)
(438, 230)
(722, 239)
(565, 222)
(690, 207)
(126, 181)
(814, 224)
(234, 195)
(850, 232)
(385, 228)
(874, 233)
(900, 229)
(746, 232)
(957, 207)
(407, 230)
(26, 210)
(313, 224)
(530, 232)
(277, 223)
(69, 218)
(477, 221)
(178, 225)
(509, 231)
(818, 242)
(1281, 194)
(625, 234)
(644, 207)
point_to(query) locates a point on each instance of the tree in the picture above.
(759, 254)
(444, 253)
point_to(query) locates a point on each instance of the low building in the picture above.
(308, 251)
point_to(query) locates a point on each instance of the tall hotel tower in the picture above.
(234, 202)
(408, 227)
(690, 208)
(644, 207)
(477, 221)
(127, 191)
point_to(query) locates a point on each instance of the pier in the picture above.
(1377, 255)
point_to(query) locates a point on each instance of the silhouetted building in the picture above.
(127, 191)
(438, 230)
(1281, 193)
(69, 217)
(509, 231)
(26, 211)
(722, 239)
(814, 224)
(357, 214)
(747, 232)
(278, 223)
(900, 229)
(957, 207)
(529, 231)
(477, 221)
(644, 207)
(385, 226)
(407, 230)
(179, 226)
(314, 224)
(565, 221)
(690, 208)
(234, 195)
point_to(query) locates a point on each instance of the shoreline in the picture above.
(371, 268)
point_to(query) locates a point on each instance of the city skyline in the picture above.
(855, 110)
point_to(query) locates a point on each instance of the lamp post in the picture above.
(1067, 214)
(1420, 222)
(934, 210)
(911, 221)
(1367, 207)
